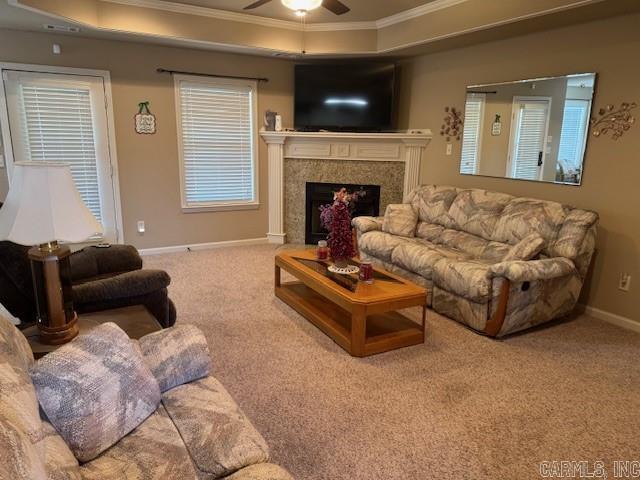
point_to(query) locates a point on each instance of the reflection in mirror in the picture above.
(529, 130)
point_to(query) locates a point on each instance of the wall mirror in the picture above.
(529, 130)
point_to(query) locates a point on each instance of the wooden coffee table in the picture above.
(361, 318)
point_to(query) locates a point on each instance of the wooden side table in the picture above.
(136, 321)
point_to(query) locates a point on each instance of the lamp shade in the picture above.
(44, 205)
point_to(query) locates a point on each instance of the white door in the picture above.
(530, 123)
(63, 118)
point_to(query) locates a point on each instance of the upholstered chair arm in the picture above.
(533, 270)
(125, 285)
(367, 224)
(176, 355)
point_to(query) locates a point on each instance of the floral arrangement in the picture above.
(336, 218)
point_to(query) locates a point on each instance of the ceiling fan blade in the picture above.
(335, 6)
(257, 4)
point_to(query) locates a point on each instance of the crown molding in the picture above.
(416, 12)
(167, 6)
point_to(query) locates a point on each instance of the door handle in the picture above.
(539, 159)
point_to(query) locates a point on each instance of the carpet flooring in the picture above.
(461, 406)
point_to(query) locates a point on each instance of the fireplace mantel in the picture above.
(404, 147)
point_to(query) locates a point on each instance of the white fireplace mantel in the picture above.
(407, 147)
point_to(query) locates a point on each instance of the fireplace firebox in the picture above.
(318, 194)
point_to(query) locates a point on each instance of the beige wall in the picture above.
(148, 164)
(612, 168)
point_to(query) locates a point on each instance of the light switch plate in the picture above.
(141, 227)
(449, 148)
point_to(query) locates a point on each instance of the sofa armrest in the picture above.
(125, 285)
(534, 270)
(176, 355)
(93, 261)
(367, 224)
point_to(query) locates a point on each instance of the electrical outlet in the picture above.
(625, 282)
(449, 148)
(141, 227)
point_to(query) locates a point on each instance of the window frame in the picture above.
(253, 204)
(7, 144)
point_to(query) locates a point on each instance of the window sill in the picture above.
(227, 207)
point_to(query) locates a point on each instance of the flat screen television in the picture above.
(345, 97)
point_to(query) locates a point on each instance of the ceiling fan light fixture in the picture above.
(301, 7)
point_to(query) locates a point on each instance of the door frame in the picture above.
(517, 100)
(110, 125)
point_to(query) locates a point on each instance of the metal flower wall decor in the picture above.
(613, 120)
(452, 126)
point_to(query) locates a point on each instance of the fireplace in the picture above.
(322, 193)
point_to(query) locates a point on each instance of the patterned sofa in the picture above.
(197, 431)
(465, 251)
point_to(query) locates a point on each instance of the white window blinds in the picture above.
(572, 136)
(530, 140)
(58, 127)
(473, 113)
(217, 140)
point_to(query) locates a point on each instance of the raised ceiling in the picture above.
(361, 10)
(376, 27)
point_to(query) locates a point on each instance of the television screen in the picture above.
(348, 97)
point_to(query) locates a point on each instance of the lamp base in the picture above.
(51, 272)
(60, 335)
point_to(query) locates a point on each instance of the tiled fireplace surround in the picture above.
(391, 160)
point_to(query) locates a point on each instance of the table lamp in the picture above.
(43, 207)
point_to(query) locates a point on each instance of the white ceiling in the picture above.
(361, 10)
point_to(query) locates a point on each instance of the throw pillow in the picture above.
(95, 390)
(176, 356)
(526, 249)
(400, 219)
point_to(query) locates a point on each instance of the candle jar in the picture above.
(366, 272)
(322, 253)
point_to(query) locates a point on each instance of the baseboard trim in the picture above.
(612, 318)
(203, 246)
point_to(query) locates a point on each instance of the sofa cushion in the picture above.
(429, 231)
(526, 249)
(463, 241)
(523, 216)
(421, 257)
(494, 252)
(220, 439)
(154, 450)
(477, 211)
(573, 232)
(58, 457)
(176, 355)
(381, 244)
(400, 219)
(366, 224)
(95, 390)
(19, 459)
(432, 202)
(469, 279)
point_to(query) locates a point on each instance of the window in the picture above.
(217, 142)
(473, 116)
(529, 137)
(573, 135)
(60, 117)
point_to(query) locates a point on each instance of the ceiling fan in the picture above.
(302, 7)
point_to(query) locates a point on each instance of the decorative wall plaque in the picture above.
(145, 120)
(452, 126)
(615, 121)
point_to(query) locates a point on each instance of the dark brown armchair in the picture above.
(103, 278)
